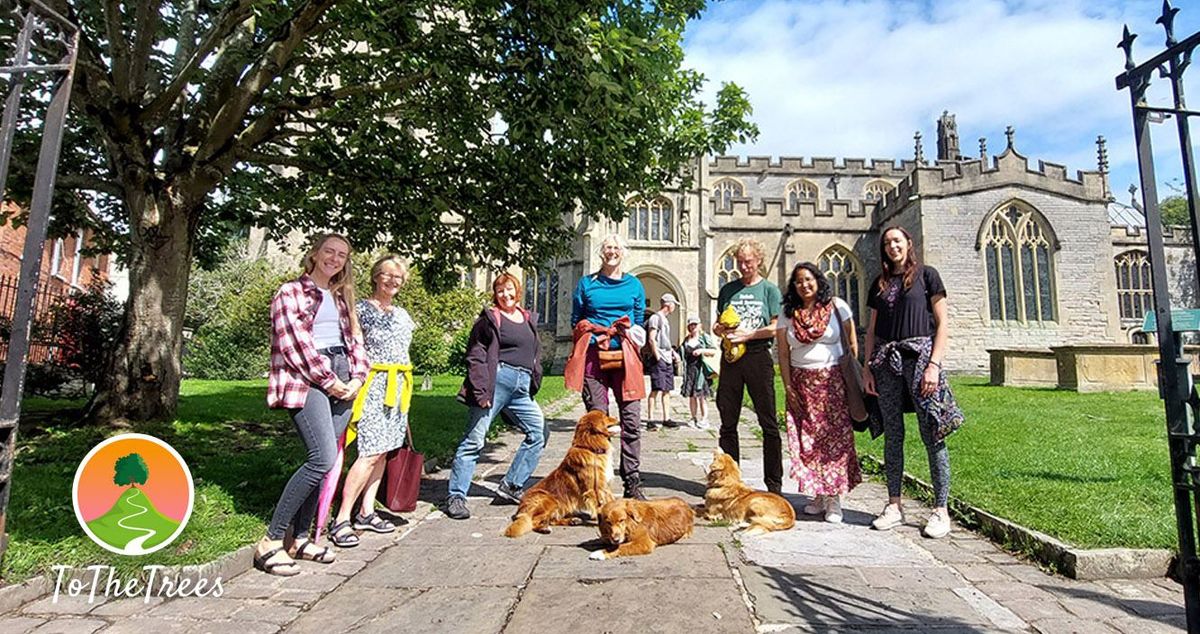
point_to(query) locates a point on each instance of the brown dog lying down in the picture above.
(636, 528)
(729, 499)
(578, 484)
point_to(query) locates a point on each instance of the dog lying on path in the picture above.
(729, 499)
(578, 484)
(634, 527)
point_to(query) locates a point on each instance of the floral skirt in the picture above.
(820, 438)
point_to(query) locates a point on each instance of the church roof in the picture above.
(1122, 215)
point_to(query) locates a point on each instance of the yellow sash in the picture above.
(394, 389)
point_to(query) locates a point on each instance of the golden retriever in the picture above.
(729, 499)
(634, 527)
(578, 484)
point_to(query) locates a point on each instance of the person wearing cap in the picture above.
(660, 361)
(699, 354)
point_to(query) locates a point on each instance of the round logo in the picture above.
(133, 494)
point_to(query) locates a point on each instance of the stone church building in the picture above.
(1032, 255)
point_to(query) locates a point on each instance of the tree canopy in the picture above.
(455, 132)
(130, 469)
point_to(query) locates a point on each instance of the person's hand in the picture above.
(352, 388)
(485, 404)
(929, 382)
(338, 390)
(790, 392)
(719, 329)
(869, 381)
(740, 336)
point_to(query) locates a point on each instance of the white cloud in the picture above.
(857, 78)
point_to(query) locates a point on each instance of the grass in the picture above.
(240, 454)
(1090, 469)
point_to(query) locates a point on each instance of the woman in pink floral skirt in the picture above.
(820, 436)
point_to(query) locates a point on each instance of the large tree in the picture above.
(383, 119)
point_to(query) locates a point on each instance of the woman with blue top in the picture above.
(504, 372)
(606, 318)
(381, 409)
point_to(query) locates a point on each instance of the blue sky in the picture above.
(856, 78)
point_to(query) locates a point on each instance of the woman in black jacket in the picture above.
(504, 371)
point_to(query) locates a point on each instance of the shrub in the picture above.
(229, 310)
(85, 328)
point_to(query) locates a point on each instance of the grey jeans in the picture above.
(320, 424)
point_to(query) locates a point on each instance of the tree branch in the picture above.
(325, 99)
(260, 75)
(235, 13)
(285, 160)
(146, 24)
(116, 46)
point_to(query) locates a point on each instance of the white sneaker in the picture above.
(890, 518)
(816, 507)
(833, 509)
(936, 526)
(702, 424)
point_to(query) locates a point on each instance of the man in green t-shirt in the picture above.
(756, 301)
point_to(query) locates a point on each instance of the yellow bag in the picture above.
(730, 319)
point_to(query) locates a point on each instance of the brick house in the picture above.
(64, 266)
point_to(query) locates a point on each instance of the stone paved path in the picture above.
(440, 575)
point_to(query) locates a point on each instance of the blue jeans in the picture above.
(512, 393)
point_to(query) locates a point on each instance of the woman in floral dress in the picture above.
(381, 409)
(820, 435)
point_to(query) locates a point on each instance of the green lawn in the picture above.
(1090, 469)
(240, 454)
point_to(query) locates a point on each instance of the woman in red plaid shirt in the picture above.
(318, 365)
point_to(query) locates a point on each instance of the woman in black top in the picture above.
(504, 371)
(905, 346)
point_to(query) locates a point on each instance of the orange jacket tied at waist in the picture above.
(633, 388)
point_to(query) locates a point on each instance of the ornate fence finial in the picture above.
(983, 149)
(1167, 20)
(1127, 45)
(1102, 162)
(1008, 134)
(918, 150)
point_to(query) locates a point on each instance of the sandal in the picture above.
(374, 523)
(322, 556)
(343, 536)
(263, 563)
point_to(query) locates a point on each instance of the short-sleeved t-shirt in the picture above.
(756, 305)
(825, 351)
(904, 314)
(662, 336)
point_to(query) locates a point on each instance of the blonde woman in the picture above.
(318, 365)
(381, 411)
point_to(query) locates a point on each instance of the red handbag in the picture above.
(402, 478)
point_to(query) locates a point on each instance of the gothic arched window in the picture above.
(727, 269)
(651, 220)
(844, 273)
(725, 190)
(799, 190)
(541, 294)
(876, 190)
(1135, 295)
(1020, 269)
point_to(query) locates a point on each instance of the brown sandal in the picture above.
(323, 556)
(263, 563)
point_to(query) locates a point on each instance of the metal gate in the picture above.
(1174, 380)
(42, 60)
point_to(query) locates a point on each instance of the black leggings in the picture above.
(320, 424)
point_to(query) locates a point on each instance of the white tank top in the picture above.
(327, 327)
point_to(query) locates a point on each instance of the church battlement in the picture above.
(816, 165)
(949, 178)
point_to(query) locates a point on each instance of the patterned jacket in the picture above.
(295, 363)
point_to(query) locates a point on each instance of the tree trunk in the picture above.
(143, 374)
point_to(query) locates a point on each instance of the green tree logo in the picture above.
(130, 470)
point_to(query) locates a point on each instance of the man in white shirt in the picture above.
(660, 361)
